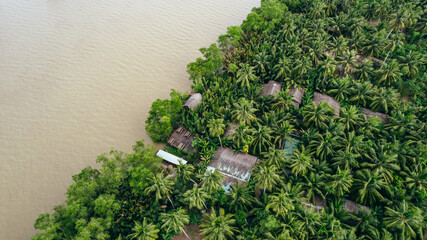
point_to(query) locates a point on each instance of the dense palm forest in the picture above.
(366, 54)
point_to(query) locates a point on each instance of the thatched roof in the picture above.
(370, 114)
(182, 139)
(318, 98)
(230, 130)
(353, 207)
(193, 101)
(297, 94)
(236, 167)
(271, 88)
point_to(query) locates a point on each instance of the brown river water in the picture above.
(78, 77)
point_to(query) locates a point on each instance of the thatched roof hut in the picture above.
(193, 101)
(370, 114)
(318, 98)
(271, 88)
(230, 130)
(182, 139)
(235, 167)
(296, 94)
(353, 207)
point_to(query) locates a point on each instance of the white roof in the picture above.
(170, 158)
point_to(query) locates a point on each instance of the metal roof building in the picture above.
(170, 158)
(234, 166)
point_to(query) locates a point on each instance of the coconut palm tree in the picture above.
(261, 138)
(212, 181)
(218, 227)
(276, 157)
(196, 197)
(406, 220)
(384, 100)
(244, 112)
(313, 185)
(368, 187)
(340, 183)
(266, 177)
(382, 161)
(281, 203)
(309, 223)
(262, 62)
(283, 68)
(302, 66)
(410, 63)
(241, 198)
(362, 93)
(282, 133)
(283, 101)
(373, 45)
(340, 88)
(364, 70)
(241, 136)
(416, 180)
(339, 46)
(144, 231)
(216, 128)
(350, 117)
(327, 69)
(161, 186)
(323, 145)
(317, 115)
(184, 173)
(346, 159)
(175, 221)
(389, 74)
(397, 20)
(346, 62)
(300, 162)
(245, 75)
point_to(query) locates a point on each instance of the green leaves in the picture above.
(163, 117)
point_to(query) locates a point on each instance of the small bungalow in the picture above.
(353, 207)
(296, 94)
(271, 88)
(182, 139)
(370, 114)
(170, 158)
(318, 98)
(193, 101)
(235, 167)
(230, 130)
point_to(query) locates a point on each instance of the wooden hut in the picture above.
(193, 101)
(318, 98)
(353, 207)
(230, 130)
(296, 94)
(234, 166)
(182, 139)
(370, 114)
(271, 88)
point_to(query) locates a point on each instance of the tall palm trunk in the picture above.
(184, 233)
(220, 142)
(388, 35)
(171, 201)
